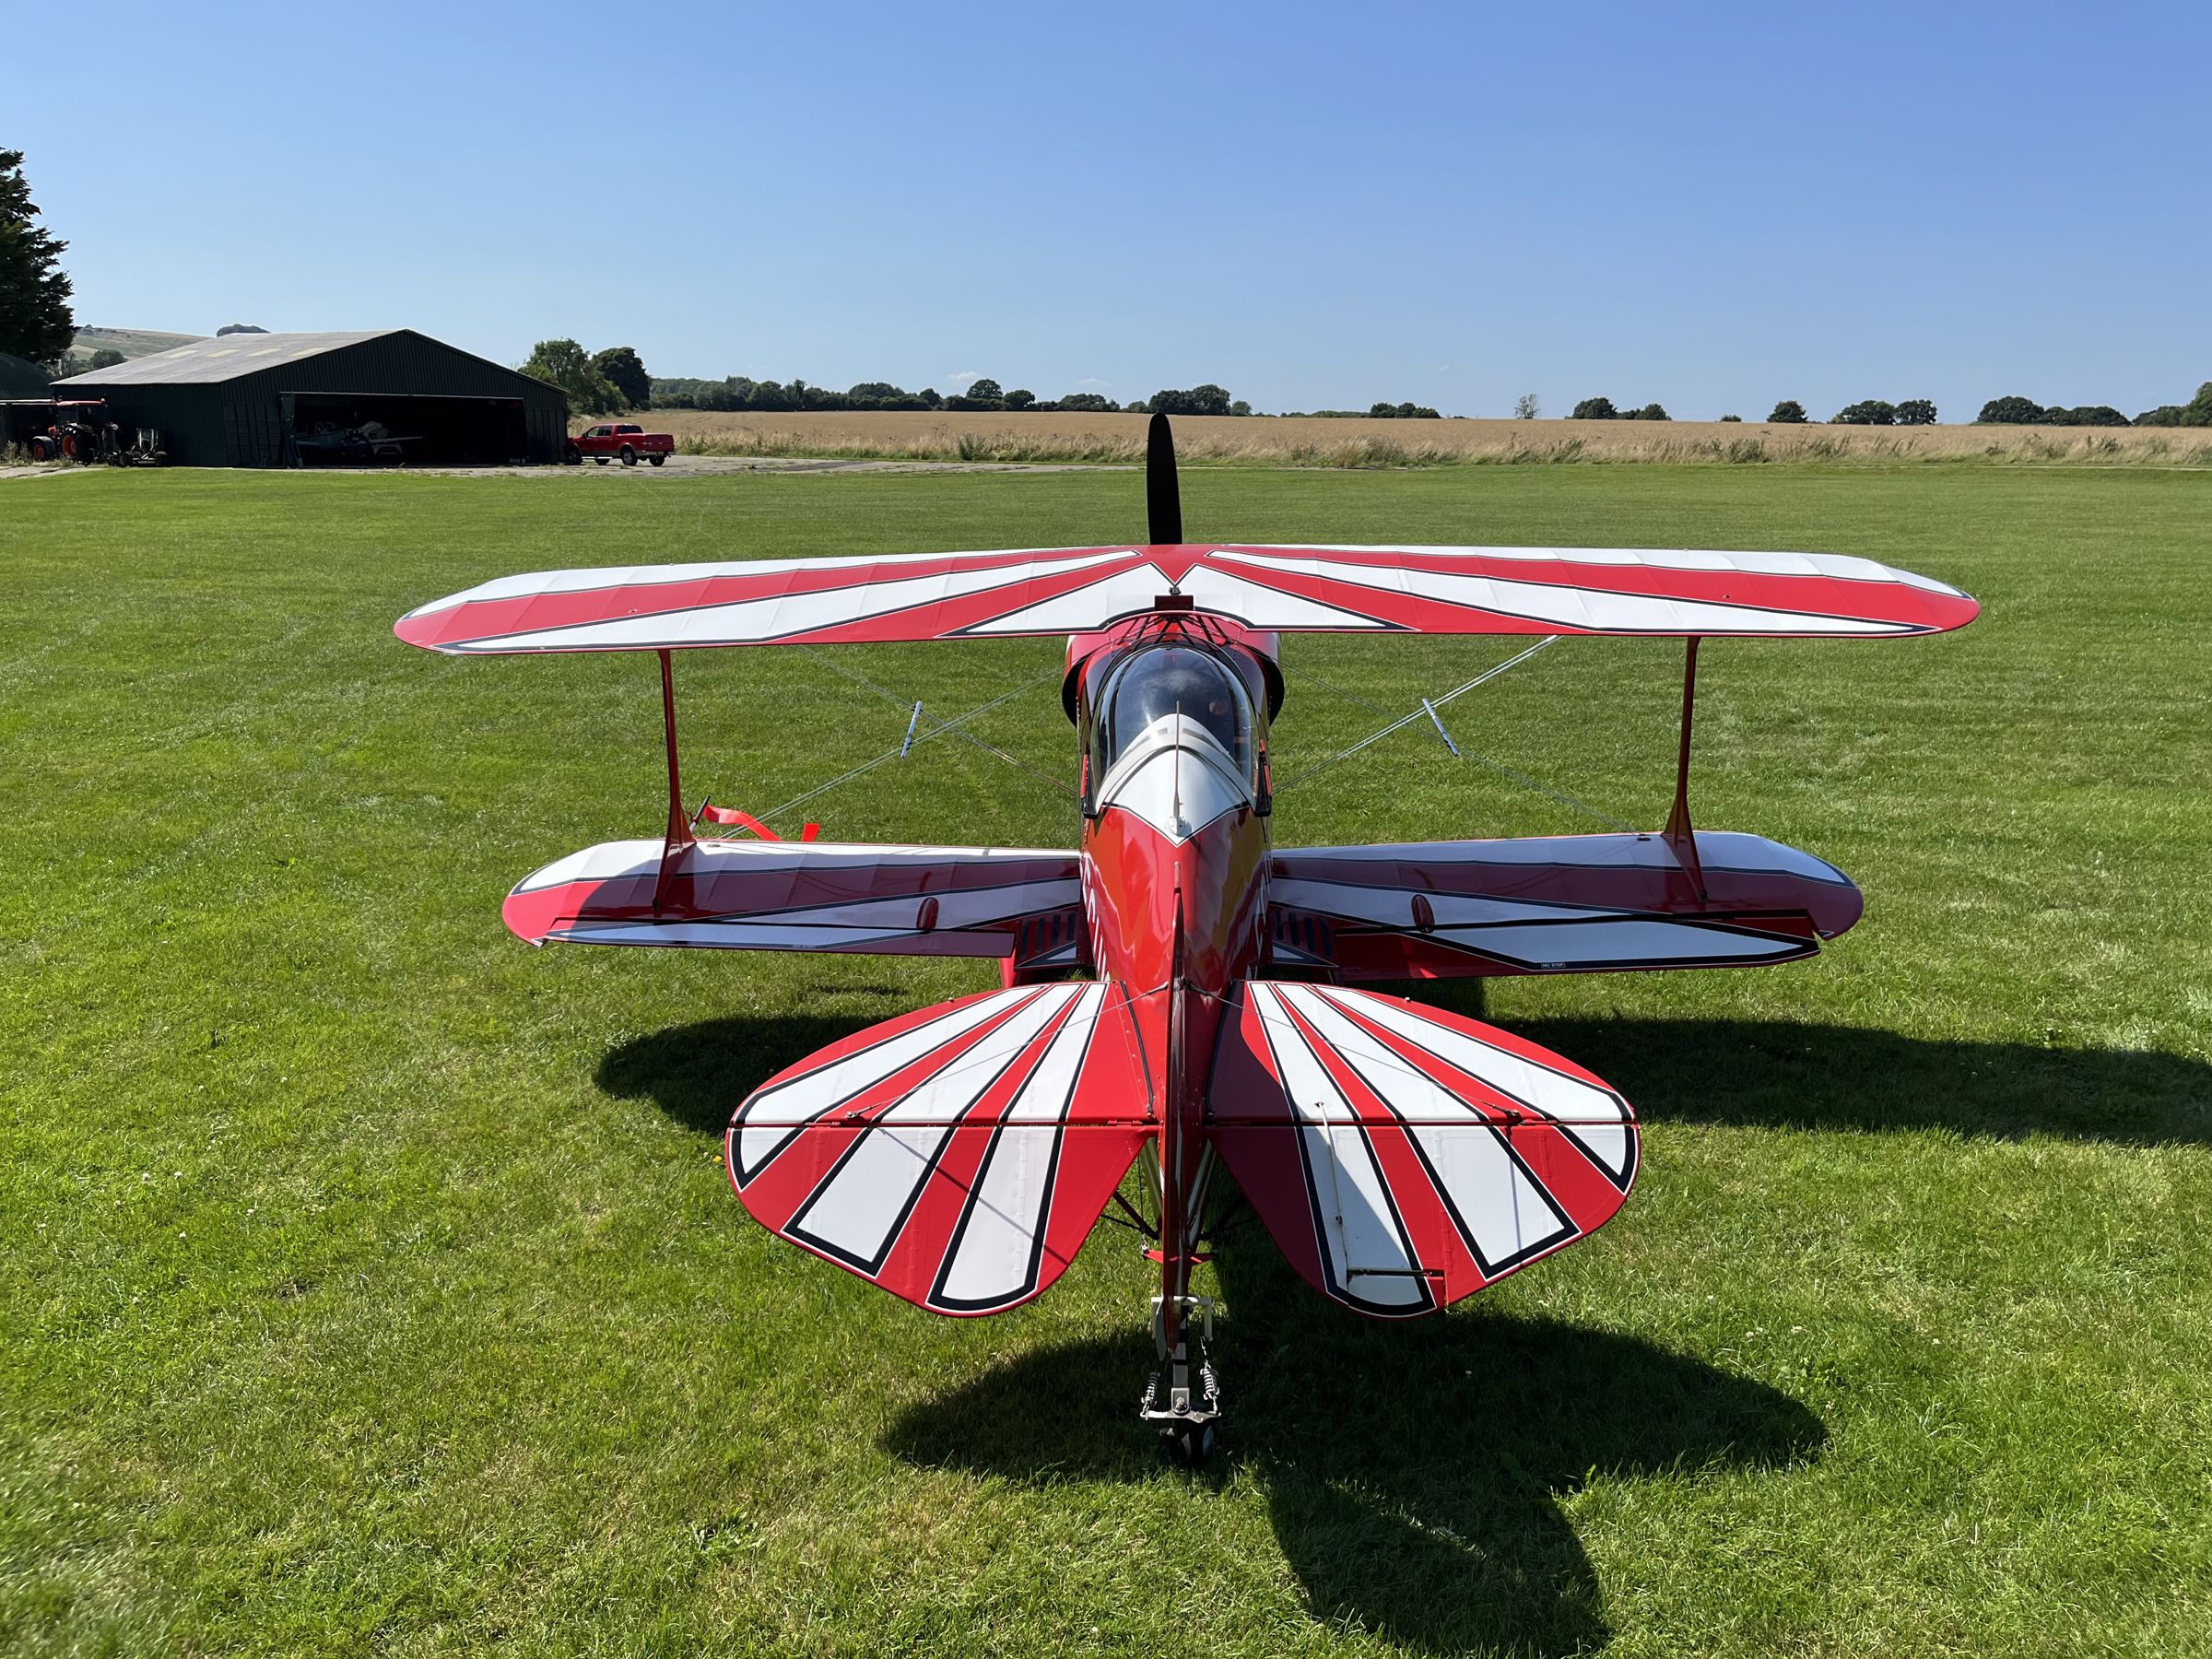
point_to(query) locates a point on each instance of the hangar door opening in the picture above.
(391, 428)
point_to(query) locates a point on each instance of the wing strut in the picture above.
(679, 821)
(1681, 839)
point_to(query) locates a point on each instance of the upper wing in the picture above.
(958, 1156)
(1550, 904)
(878, 899)
(1290, 589)
(1402, 1156)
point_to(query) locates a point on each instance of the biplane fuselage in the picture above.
(1175, 870)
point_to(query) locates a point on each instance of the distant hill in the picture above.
(131, 342)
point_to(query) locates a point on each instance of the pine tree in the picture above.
(35, 319)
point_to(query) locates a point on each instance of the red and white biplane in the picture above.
(1177, 987)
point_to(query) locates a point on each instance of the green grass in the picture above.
(371, 1284)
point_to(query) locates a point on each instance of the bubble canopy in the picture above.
(1153, 682)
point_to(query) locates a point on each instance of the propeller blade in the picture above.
(1163, 495)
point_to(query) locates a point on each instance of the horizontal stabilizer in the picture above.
(959, 1156)
(1030, 591)
(1402, 1156)
(877, 899)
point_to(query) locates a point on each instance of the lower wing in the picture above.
(1550, 904)
(957, 1157)
(748, 895)
(1402, 1156)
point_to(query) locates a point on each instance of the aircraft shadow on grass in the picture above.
(1414, 1471)
(1784, 1074)
(698, 1074)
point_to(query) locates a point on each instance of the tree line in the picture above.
(1920, 411)
(615, 380)
(737, 392)
(2026, 411)
(1598, 409)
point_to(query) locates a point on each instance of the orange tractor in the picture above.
(80, 431)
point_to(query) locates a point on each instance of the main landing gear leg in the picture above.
(1186, 1410)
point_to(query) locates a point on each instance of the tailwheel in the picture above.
(1190, 1444)
(1183, 1399)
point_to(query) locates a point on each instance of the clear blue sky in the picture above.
(1712, 205)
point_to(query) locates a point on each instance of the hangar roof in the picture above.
(227, 357)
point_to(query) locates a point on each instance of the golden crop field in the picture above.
(1286, 442)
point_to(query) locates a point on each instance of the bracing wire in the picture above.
(1424, 713)
(1428, 711)
(938, 726)
(932, 726)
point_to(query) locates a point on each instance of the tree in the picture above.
(1526, 407)
(1916, 411)
(1732, 420)
(1239, 407)
(2199, 410)
(562, 364)
(1596, 408)
(623, 369)
(2165, 415)
(1207, 399)
(2010, 411)
(1021, 398)
(231, 328)
(1788, 412)
(1086, 402)
(35, 319)
(983, 394)
(1873, 411)
(107, 357)
(1652, 411)
(2090, 415)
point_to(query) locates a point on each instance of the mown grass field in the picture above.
(370, 1284)
(1291, 440)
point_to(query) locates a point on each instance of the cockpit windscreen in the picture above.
(1151, 683)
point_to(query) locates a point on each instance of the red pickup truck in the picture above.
(612, 440)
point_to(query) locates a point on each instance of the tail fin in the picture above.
(1403, 1156)
(957, 1157)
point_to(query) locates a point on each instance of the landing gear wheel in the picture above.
(1184, 1399)
(1190, 1444)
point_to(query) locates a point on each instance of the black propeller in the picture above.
(1163, 495)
